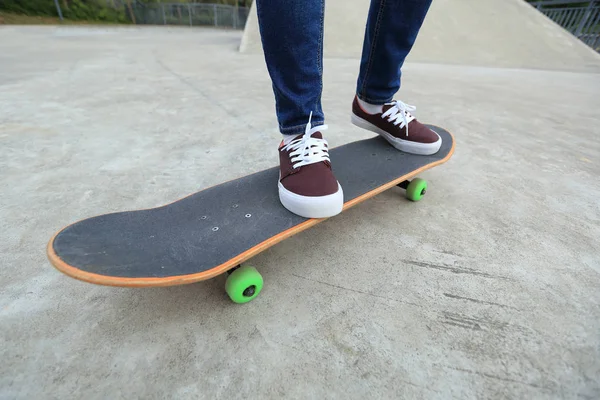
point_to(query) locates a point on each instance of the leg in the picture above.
(391, 31)
(292, 39)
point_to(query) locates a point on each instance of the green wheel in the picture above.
(416, 189)
(244, 284)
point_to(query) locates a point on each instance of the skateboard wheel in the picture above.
(244, 284)
(416, 189)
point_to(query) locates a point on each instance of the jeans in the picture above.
(292, 38)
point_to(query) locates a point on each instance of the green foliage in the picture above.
(29, 7)
(92, 11)
(240, 3)
(89, 10)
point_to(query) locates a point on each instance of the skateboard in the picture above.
(217, 229)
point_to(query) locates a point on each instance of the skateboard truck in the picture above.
(403, 184)
(232, 269)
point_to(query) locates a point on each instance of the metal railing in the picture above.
(190, 14)
(583, 21)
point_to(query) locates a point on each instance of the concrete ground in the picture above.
(488, 288)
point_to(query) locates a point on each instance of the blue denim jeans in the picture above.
(292, 38)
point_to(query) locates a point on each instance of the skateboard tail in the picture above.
(105, 280)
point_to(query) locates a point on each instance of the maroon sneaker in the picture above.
(307, 186)
(398, 127)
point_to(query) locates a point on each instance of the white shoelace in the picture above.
(399, 114)
(306, 149)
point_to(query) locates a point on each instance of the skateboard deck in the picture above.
(214, 230)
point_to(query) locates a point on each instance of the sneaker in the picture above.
(307, 186)
(399, 127)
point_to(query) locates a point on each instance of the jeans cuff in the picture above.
(373, 101)
(295, 130)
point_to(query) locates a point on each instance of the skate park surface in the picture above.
(487, 288)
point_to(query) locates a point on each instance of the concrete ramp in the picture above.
(494, 33)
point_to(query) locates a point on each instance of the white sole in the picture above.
(312, 206)
(423, 149)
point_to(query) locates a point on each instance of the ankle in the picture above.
(370, 108)
(288, 138)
